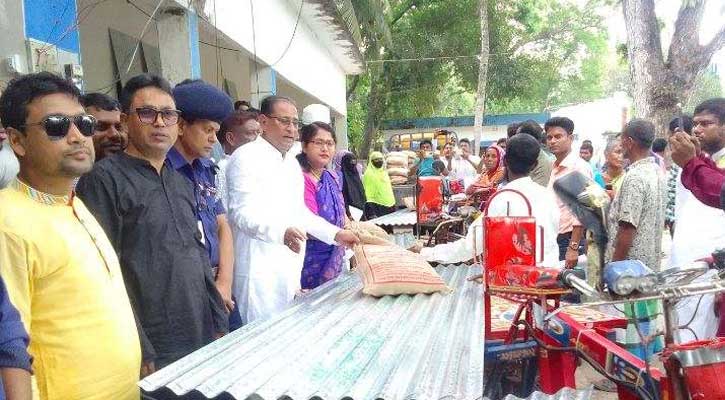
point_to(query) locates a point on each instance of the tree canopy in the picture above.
(543, 53)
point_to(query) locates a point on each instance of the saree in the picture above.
(323, 262)
(491, 178)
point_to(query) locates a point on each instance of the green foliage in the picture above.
(707, 86)
(543, 53)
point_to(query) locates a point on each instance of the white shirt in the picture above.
(266, 196)
(221, 180)
(544, 209)
(462, 169)
(719, 156)
(699, 229)
(9, 166)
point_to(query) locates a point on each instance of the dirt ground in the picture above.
(585, 378)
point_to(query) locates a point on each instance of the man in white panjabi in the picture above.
(521, 158)
(269, 219)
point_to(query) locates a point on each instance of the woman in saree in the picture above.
(493, 173)
(323, 196)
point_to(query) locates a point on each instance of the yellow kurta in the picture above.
(63, 277)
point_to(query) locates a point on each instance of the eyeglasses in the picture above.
(323, 143)
(148, 115)
(703, 123)
(286, 121)
(102, 126)
(57, 126)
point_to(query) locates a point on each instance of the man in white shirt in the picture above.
(9, 166)
(465, 164)
(237, 130)
(521, 155)
(269, 219)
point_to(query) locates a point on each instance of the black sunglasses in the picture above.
(57, 126)
(148, 115)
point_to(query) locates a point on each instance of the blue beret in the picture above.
(200, 100)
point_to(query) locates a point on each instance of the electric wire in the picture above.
(120, 75)
(294, 32)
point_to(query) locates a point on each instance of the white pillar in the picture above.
(341, 131)
(179, 44)
(263, 83)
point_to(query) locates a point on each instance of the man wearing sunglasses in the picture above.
(268, 215)
(110, 136)
(203, 109)
(148, 211)
(58, 265)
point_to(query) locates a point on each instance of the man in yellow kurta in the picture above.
(60, 270)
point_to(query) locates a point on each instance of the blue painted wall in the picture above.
(193, 21)
(52, 21)
(444, 122)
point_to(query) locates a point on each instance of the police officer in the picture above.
(203, 108)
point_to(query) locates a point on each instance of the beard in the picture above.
(74, 168)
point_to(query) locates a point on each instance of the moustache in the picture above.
(76, 149)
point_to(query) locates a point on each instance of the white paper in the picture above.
(356, 213)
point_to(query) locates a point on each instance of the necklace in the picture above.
(316, 174)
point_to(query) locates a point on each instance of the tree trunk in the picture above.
(480, 107)
(659, 87)
(375, 101)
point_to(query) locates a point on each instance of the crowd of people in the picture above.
(137, 231)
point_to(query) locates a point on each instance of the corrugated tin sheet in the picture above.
(404, 239)
(563, 394)
(398, 218)
(337, 343)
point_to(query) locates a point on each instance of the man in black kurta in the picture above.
(148, 212)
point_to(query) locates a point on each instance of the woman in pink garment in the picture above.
(323, 196)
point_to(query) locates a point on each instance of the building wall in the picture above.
(12, 32)
(97, 54)
(274, 21)
(234, 65)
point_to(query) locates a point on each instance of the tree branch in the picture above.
(686, 57)
(686, 39)
(353, 86)
(716, 43)
(402, 12)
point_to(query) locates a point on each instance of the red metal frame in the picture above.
(557, 368)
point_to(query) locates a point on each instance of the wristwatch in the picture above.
(574, 246)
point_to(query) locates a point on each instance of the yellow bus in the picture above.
(411, 141)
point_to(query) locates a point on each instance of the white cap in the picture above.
(316, 113)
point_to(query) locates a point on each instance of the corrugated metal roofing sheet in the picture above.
(398, 218)
(563, 394)
(404, 239)
(337, 343)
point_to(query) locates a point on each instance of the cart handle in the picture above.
(528, 205)
(490, 200)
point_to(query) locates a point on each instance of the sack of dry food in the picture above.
(395, 171)
(398, 180)
(392, 270)
(397, 161)
(369, 233)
